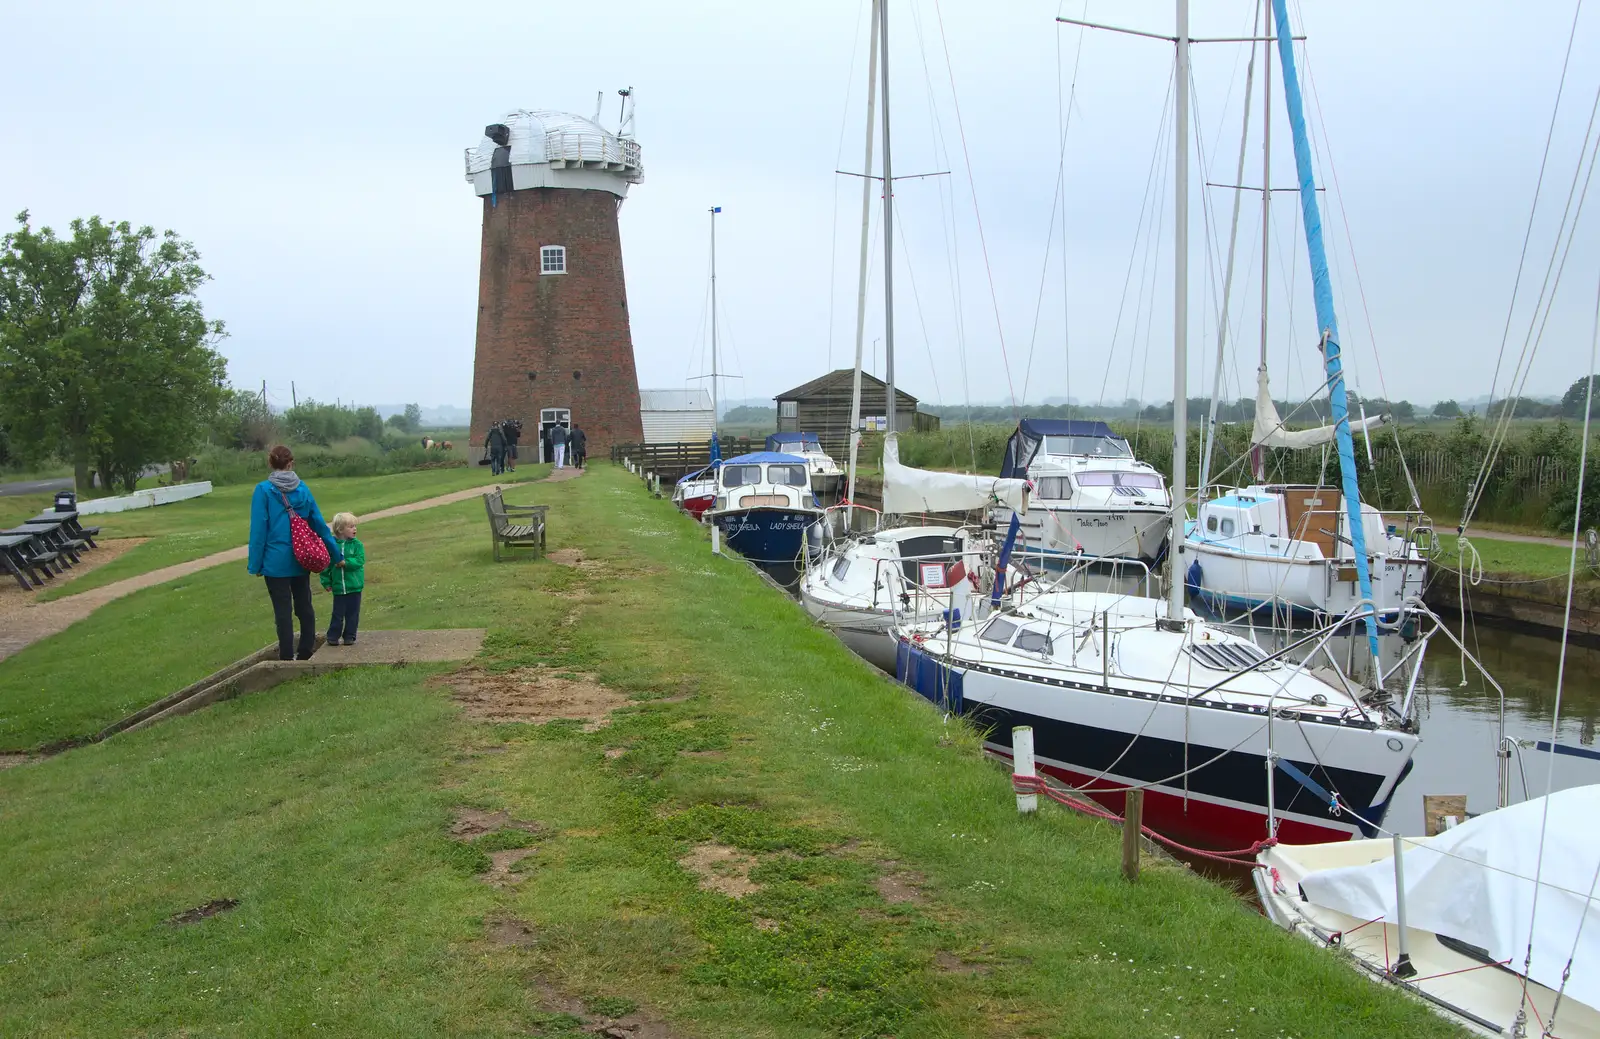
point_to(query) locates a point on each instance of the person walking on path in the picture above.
(271, 552)
(558, 444)
(578, 444)
(495, 444)
(345, 579)
(513, 433)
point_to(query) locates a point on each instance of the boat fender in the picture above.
(1194, 578)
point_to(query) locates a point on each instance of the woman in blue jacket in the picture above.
(272, 554)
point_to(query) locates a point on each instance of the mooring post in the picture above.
(1022, 765)
(716, 540)
(1402, 967)
(1132, 824)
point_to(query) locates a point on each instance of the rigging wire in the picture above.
(1561, 660)
(1057, 203)
(838, 161)
(972, 185)
(1145, 203)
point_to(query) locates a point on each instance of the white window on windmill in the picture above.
(553, 259)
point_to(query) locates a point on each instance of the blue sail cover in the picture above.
(1030, 433)
(716, 451)
(1322, 294)
(764, 456)
(778, 441)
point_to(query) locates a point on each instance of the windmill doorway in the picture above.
(549, 418)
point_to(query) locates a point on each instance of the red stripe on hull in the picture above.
(1198, 823)
(696, 507)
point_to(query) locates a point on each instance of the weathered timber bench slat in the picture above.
(514, 526)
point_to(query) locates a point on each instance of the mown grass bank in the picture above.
(897, 892)
(221, 520)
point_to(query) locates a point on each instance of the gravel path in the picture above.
(40, 620)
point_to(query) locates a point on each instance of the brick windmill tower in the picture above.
(553, 340)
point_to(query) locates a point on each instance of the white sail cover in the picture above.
(1475, 883)
(1269, 431)
(907, 490)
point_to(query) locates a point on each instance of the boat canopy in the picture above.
(1030, 433)
(777, 441)
(1475, 883)
(1269, 431)
(764, 457)
(907, 490)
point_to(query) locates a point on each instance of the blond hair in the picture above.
(342, 522)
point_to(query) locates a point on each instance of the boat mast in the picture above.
(1322, 292)
(1180, 322)
(888, 223)
(1227, 282)
(1266, 219)
(715, 417)
(861, 282)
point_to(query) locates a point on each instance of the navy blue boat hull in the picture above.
(768, 537)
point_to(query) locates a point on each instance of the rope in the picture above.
(1236, 856)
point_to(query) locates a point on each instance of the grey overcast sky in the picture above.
(313, 152)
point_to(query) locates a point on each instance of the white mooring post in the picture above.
(716, 540)
(1402, 967)
(1022, 765)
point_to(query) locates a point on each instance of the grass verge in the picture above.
(885, 884)
(221, 520)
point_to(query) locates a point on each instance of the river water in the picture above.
(1460, 725)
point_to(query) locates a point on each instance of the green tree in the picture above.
(1576, 398)
(105, 352)
(413, 418)
(1447, 409)
(243, 421)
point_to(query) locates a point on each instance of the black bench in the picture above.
(69, 521)
(54, 537)
(514, 526)
(27, 552)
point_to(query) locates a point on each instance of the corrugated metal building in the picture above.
(676, 416)
(822, 406)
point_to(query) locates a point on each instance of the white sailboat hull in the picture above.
(1054, 534)
(1235, 580)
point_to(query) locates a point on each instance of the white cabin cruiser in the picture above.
(859, 583)
(763, 507)
(1287, 549)
(827, 479)
(1469, 913)
(1091, 497)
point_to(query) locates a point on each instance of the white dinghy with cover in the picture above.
(858, 583)
(1473, 896)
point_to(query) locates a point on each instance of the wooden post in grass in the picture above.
(1132, 823)
(1022, 765)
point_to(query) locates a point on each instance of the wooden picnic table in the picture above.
(53, 536)
(69, 520)
(25, 555)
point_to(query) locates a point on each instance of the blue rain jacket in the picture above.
(271, 552)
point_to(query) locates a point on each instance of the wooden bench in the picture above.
(514, 526)
(70, 523)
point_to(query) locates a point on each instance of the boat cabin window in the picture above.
(1033, 642)
(1099, 447)
(788, 475)
(929, 548)
(740, 475)
(999, 630)
(1230, 656)
(1054, 488)
(1141, 481)
(1211, 524)
(1227, 528)
(841, 567)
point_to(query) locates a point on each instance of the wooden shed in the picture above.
(676, 416)
(822, 406)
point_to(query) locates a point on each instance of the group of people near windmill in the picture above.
(564, 446)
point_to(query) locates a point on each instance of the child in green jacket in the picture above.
(345, 580)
